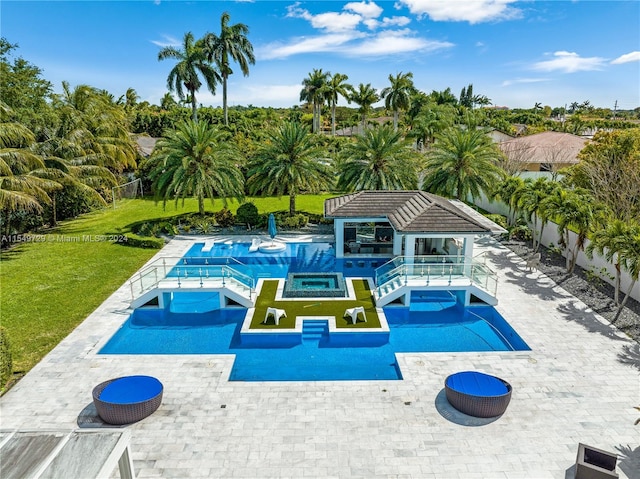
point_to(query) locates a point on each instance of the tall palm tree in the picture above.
(289, 163)
(313, 91)
(191, 61)
(630, 259)
(571, 210)
(379, 159)
(231, 44)
(462, 163)
(398, 96)
(194, 160)
(364, 96)
(336, 86)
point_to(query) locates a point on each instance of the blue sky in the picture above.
(515, 52)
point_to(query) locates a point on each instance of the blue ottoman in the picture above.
(478, 394)
(127, 399)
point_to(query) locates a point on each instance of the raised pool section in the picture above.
(314, 285)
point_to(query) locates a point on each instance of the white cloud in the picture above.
(519, 81)
(569, 62)
(168, 41)
(329, 21)
(472, 11)
(320, 43)
(392, 42)
(627, 58)
(366, 9)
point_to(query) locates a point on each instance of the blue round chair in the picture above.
(478, 394)
(127, 399)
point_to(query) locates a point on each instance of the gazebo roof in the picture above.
(411, 212)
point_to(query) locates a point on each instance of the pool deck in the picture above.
(579, 383)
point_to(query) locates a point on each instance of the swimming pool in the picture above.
(160, 331)
(307, 257)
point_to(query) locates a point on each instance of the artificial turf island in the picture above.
(319, 307)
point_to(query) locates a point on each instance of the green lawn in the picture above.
(320, 307)
(51, 283)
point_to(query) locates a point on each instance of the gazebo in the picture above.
(405, 223)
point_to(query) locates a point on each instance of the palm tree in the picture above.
(364, 96)
(20, 188)
(231, 44)
(630, 261)
(398, 96)
(313, 91)
(191, 60)
(194, 160)
(608, 242)
(336, 86)
(462, 163)
(289, 163)
(432, 120)
(379, 159)
(529, 198)
(570, 209)
(505, 191)
(92, 129)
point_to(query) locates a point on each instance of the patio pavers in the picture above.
(579, 383)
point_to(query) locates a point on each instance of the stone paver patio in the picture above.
(579, 383)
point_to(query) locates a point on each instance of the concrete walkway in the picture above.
(579, 383)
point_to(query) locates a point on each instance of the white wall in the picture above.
(550, 236)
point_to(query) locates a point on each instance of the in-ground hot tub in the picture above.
(314, 285)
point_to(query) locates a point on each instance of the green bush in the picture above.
(247, 214)
(6, 361)
(295, 222)
(500, 220)
(143, 242)
(224, 218)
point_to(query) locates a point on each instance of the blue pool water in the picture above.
(314, 358)
(298, 257)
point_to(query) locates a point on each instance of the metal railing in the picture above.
(230, 272)
(404, 270)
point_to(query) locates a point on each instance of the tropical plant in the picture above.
(379, 159)
(398, 96)
(231, 44)
(191, 61)
(336, 86)
(432, 120)
(313, 92)
(630, 261)
(609, 241)
(462, 163)
(20, 188)
(289, 163)
(571, 210)
(505, 191)
(528, 198)
(364, 96)
(194, 160)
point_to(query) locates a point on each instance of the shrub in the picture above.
(247, 214)
(143, 242)
(224, 217)
(295, 222)
(6, 361)
(500, 220)
(203, 225)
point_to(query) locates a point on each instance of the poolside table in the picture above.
(478, 394)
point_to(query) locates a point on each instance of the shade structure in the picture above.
(272, 226)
